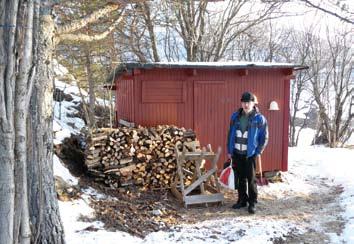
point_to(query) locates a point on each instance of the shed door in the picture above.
(210, 119)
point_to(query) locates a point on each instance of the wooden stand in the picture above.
(208, 182)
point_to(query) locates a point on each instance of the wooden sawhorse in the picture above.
(210, 190)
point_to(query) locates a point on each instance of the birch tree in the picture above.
(28, 36)
(18, 20)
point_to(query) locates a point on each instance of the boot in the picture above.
(252, 209)
(239, 205)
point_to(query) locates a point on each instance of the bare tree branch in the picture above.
(78, 24)
(328, 12)
(150, 27)
(90, 38)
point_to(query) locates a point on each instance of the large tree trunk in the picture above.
(44, 209)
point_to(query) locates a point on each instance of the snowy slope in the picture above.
(64, 123)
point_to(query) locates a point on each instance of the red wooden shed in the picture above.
(202, 96)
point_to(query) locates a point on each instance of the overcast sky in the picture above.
(307, 16)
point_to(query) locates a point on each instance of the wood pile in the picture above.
(137, 156)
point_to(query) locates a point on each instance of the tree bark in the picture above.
(21, 222)
(7, 185)
(45, 217)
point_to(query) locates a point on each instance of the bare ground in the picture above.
(318, 212)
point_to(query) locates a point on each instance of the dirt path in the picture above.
(319, 213)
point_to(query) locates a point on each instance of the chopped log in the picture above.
(99, 138)
(127, 170)
(126, 123)
(111, 170)
(126, 160)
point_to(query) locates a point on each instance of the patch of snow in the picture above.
(75, 232)
(56, 126)
(95, 194)
(306, 136)
(101, 236)
(350, 140)
(348, 203)
(59, 69)
(72, 89)
(60, 170)
(63, 112)
(59, 136)
(228, 230)
(293, 184)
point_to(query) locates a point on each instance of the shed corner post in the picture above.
(286, 114)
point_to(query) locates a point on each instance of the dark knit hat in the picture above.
(247, 97)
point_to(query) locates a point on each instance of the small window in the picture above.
(163, 91)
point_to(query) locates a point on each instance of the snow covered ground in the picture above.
(336, 165)
(307, 166)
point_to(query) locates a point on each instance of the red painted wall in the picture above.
(204, 100)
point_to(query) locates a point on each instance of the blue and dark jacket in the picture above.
(257, 132)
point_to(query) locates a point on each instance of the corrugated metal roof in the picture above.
(202, 65)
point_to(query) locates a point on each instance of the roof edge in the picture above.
(128, 66)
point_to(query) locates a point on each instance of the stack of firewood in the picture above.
(140, 156)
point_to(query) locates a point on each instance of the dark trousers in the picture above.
(245, 169)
